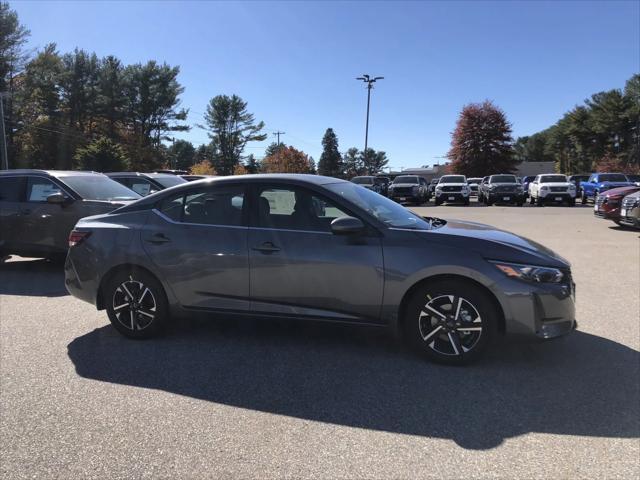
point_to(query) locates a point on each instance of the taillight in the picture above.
(76, 237)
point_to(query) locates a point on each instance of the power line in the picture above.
(277, 133)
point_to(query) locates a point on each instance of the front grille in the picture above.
(629, 203)
(506, 188)
(558, 189)
(402, 190)
(451, 188)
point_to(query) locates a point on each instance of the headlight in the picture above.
(530, 273)
(572, 186)
(492, 187)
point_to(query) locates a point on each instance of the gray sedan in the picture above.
(311, 247)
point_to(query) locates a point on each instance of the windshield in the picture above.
(168, 180)
(503, 179)
(633, 178)
(362, 180)
(474, 180)
(406, 179)
(552, 178)
(99, 187)
(612, 177)
(452, 179)
(385, 210)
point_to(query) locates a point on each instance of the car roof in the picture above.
(52, 173)
(141, 174)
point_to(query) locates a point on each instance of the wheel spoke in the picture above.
(120, 307)
(432, 333)
(133, 320)
(431, 309)
(131, 297)
(469, 329)
(145, 313)
(459, 304)
(454, 339)
(143, 295)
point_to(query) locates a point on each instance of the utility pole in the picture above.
(278, 133)
(5, 158)
(369, 81)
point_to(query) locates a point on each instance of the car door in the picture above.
(44, 227)
(299, 268)
(11, 193)
(198, 240)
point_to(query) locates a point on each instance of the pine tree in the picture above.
(330, 160)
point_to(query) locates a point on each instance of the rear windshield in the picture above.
(503, 179)
(612, 177)
(552, 178)
(406, 179)
(452, 179)
(168, 180)
(362, 180)
(99, 187)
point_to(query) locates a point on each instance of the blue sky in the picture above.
(295, 63)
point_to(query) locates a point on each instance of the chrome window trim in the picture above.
(167, 219)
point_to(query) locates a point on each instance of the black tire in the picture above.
(540, 202)
(572, 202)
(584, 199)
(145, 315)
(489, 201)
(447, 340)
(467, 202)
(438, 202)
(520, 203)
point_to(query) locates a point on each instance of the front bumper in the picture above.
(556, 196)
(452, 197)
(404, 197)
(543, 310)
(506, 197)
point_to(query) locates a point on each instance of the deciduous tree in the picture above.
(287, 160)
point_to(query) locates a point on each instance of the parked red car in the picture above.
(607, 204)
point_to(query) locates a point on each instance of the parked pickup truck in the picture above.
(601, 182)
(552, 188)
(503, 188)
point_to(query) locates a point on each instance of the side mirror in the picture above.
(346, 226)
(58, 199)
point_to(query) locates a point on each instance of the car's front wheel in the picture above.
(136, 304)
(450, 322)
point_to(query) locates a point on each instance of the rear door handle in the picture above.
(267, 247)
(158, 238)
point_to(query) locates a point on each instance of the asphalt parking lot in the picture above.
(270, 399)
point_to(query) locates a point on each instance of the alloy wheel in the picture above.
(450, 325)
(134, 305)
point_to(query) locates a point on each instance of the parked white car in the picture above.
(552, 188)
(452, 189)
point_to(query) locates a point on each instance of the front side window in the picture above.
(612, 177)
(38, 189)
(141, 186)
(207, 206)
(11, 189)
(289, 208)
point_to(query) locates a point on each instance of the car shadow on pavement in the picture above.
(576, 385)
(32, 277)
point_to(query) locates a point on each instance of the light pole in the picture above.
(369, 81)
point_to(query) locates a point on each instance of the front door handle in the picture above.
(158, 238)
(267, 247)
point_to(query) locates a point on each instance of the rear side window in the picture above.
(11, 189)
(207, 206)
(38, 189)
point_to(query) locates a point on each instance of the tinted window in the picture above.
(207, 206)
(38, 189)
(452, 179)
(612, 177)
(169, 180)
(552, 178)
(99, 187)
(11, 189)
(406, 179)
(362, 180)
(633, 178)
(503, 179)
(139, 185)
(296, 209)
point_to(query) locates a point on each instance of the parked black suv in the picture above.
(503, 188)
(146, 183)
(39, 208)
(409, 188)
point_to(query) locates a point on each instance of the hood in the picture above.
(621, 191)
(108, 205)
(615, 184)
(394, 185)
(460, 184)
(495, 244)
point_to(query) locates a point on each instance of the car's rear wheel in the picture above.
(450, 322)
(136, 304)
(584, 199)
